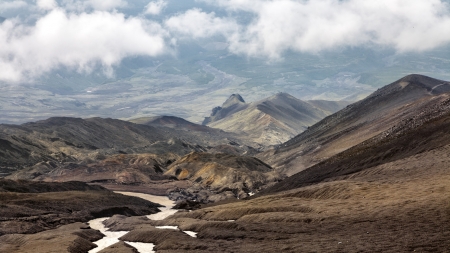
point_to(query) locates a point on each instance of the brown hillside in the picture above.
(358, 122)
(274, 120)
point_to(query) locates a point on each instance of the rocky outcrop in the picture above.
(120, 247)
(233, 104)
(219, 176)
(73, 238)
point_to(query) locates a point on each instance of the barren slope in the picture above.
(358, 122)
(426, 131)
(214, 140)
(172, 122)
(68, 140)
(274, 120)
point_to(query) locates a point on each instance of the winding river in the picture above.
(113, 237)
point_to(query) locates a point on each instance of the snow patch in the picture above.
(167, 227)
(191, 233)
(142, 247)
(110, 237)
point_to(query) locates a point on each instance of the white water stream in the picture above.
(113, 237)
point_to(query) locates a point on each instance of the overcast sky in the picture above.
(90, 35)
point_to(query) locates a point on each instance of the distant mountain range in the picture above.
(270, 121)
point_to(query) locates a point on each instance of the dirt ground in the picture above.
(400, 206)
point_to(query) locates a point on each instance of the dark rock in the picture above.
(187, 205)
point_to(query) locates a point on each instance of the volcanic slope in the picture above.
(172, 122)
(383, 109)
(121, 172)
(386, 194)
(272, 120)
(65, 140)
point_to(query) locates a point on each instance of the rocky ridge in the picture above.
(384, 109)
(60, 141)
(272, 120)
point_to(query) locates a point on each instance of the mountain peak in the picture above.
(431, 85)
(421, 80)
(282, 95)
(232, 100)
(233, 104)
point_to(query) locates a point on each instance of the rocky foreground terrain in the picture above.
(30, 207)
(372, 177)
(50, 217)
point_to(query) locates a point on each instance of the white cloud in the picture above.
(198, 24)
(105, 5)
(86, 34)
(88, 5)
(155, 7)
(313, 26)
(46, 4)
(80, 41)
(10, 5)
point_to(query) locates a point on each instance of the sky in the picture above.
(88, 36)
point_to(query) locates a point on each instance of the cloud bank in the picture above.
(82, 42)
(314, 26)
(93, 34)
(197, 24)
(5, 6)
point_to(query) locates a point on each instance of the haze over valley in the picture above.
(195, 54)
